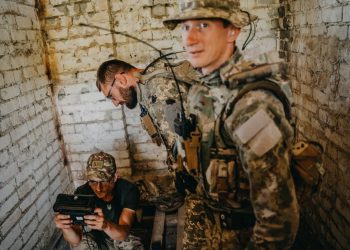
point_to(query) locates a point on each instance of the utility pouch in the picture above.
(191, 146)
(151, 128)
(222, 175)
(306, 163)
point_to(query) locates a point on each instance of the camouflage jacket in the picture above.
(262, 137)
(160, 96)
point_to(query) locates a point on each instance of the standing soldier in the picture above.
(239, 144)
(159, 96)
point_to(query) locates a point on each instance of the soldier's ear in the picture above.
(121, 80)
(233, 34)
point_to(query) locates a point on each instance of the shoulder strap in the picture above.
(263, 85)
(250, 86)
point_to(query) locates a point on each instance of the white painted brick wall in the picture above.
(11, 221)
(10, 92)
(8, 204)
(6, 191)
(88, 122)
(11, 238)
(8, 172)
(4, 141)
(26, 192)
(27, 130)
(29, 232)
(332, 14)
(322, 97)
(346, 13)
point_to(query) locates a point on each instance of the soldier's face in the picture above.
(102, 189)
(208, 43)
(120, 91)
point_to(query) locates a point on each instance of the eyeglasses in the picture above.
(109, 96)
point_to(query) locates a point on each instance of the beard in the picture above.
(130, 97)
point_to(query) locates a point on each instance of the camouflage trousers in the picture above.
(130, 243)
(160, 191)
(203, 229)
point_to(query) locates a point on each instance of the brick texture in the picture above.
(52, 114)
(317, 51)
(28, 138)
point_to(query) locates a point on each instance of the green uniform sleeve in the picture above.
(272, 191)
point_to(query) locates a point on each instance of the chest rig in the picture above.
(218, 170)
(223, 180)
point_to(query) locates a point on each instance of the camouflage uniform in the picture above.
(159, 95)
(259, 136)
(265, 179)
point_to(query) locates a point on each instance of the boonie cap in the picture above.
(208, 9)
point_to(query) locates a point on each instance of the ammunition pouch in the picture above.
(223, 178)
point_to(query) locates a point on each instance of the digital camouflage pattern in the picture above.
(203, 229)
(202, 9)
(100, 167)
(271, 189)
(160, 96)
(160, 191)
(130, 243)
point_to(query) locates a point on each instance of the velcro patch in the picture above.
(98, 164)
(260, 132)
(266, 139)
(254, 124)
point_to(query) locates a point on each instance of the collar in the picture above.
(220, 75)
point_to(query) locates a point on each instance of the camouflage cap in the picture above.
(203, 9)
(100, 167)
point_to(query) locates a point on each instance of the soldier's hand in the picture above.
(63, 221)
(97, 222)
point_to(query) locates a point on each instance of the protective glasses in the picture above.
(109, 96)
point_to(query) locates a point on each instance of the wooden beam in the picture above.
(181, 215)
(158, 231)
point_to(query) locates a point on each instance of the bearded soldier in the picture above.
(239, 144)
(158, 90)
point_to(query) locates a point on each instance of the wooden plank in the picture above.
(181, 215)
(170, 237)
(158, 230)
